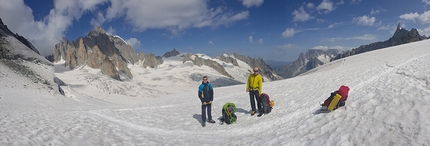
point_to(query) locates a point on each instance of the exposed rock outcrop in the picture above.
(150, 60)
(94, 50)
(171, 53)
(306, 61)
(200, 62)
(228, 59)
(24, 60)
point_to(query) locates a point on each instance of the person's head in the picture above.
(255, 70)
(205, 79)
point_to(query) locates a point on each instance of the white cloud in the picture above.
(171, 14)
(111, 30)
(355, 1)
(421, 18)
(326, 6)
(409, 16)
(250, 3)
(334, 25)
(45, 33)
(325, 48)
(260, 41)
(211, 43)
(364, 20)
(250, 39)
(387, 27)
(289, 32)
(426, 1)
(320, 48)
(425, 31)
(341, 2)
(135, 43)
(424, 18)
(301, 15)
(310, 5)
(367, 37)
(373, 12)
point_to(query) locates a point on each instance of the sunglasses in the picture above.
(205, 79)
(255, 70)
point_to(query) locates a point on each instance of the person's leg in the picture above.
(251, 99)
(209, 108)
(203, 113)
(260, 110)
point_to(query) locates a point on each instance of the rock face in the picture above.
(97, 50)
(111, 54)
(171, 53)
(265, 70)
(401, 36)
(150, 60)
(200, 62)
(228, 59)
(22, 59)
(307, 61)
(100, 50)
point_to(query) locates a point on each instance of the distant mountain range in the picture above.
(111, 54)
(315, 58)
(93, 49)
(401, 36)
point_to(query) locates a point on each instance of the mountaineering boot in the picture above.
(259, 115)
(211, 121)
(252, 113)
(203, 124)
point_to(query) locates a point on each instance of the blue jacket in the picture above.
(206, 92)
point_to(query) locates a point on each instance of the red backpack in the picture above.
(343, 91)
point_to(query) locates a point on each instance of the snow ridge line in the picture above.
(392, 68)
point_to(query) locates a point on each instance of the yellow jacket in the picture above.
(255, 82)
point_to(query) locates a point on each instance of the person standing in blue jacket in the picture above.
(206, 95)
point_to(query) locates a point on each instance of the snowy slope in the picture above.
(387, 105)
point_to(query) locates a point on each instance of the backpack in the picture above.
(266, 103)
(343, 92)
(228, 111)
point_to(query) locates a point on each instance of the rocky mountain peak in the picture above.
(96, 31)
(171, 53)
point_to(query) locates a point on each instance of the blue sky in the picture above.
(270, 29)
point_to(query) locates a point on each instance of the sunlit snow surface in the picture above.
(388, 104)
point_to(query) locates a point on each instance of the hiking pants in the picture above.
(208, 108)
(253, 96)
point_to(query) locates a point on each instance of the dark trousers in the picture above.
(253, 96)
(207, 108)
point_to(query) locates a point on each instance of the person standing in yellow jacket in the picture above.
(255, 87)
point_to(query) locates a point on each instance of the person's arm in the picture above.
(260, 85)
(247, 83)
(199, 94)
(211, 93)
